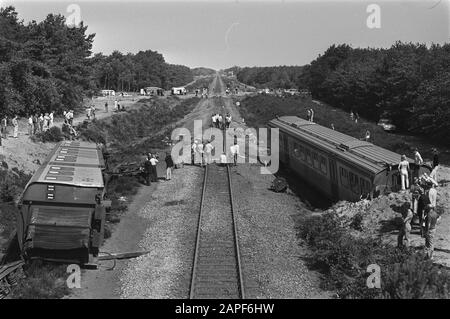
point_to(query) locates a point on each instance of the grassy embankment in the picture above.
(258, 110)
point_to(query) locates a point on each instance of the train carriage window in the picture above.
(354, 183)
(302, 153)
(323, 165)
(296, 150)
(344, 177)
(316, 160)
(364, 186)
(308, 156)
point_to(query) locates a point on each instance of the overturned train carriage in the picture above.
(61, 213)
(336, 164)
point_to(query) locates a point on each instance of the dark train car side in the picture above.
(336, 164)
(61, 214)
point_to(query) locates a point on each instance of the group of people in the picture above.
(310, 115)
(354, 116)
(404, 168)
(4, 127)
(422, 207)
(150, 171)
(40, 124)
(90, 112)
(221, 122)
(202, 153)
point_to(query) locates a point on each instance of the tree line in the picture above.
(408, 83)
(48, 66)
(284, 77)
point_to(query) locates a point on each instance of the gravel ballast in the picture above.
(172, 214)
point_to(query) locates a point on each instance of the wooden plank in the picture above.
(126, 255)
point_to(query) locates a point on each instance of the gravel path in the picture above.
(172, 214)
(270, 252)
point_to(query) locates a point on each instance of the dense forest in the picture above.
(48, 65)
(202, 71)
(409, 83)
(285, 77)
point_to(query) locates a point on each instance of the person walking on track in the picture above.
(194, 152)
(403, 168)
(200, 152)
(208, 152)
(169, 165)
(234, 149)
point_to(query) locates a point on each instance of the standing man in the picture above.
(154, 161)
(312, 115)
(93, 111)
(418, 161)
(430, 228)
(208, 152)
(194, 152)
(15, 124)
(169, 165)
(213, 120)
(30, 125)
(35, 123)
(148, 170)
(234, 149)
(308, 115)
(51, 116)
(405, 230)
(415, 190)
(4, 128)
(200, 152)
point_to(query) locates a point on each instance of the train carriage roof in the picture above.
(72, 163)
(361, 153)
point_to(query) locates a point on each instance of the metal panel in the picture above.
(360, 153)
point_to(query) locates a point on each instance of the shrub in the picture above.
(43, 281)
(344, 260)
(53, 134)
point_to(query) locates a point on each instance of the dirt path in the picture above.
(26, 155)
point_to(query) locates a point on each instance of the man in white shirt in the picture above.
(234, 149)
(223, 160)
(418, 161)
(208, 151)
(200, 152)
(213, 120)
(432, 195)
(194, 151)
(154, 161)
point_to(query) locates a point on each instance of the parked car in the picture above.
(387, 125)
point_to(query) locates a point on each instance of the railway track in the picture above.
(216, 272)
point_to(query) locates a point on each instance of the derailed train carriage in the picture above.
(61, 212)
(336, 164)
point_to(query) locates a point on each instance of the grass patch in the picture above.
(43, 281)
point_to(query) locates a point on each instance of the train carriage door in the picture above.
(334, 178)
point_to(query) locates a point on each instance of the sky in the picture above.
(223, 33)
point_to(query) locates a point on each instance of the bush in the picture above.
(53, 134)
(344, 260)
(43, 281)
